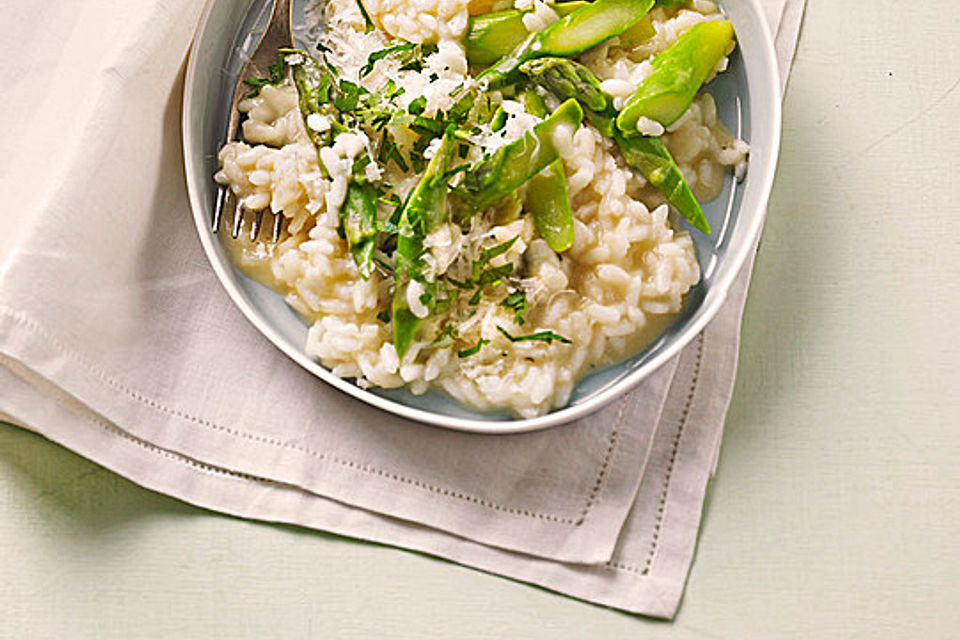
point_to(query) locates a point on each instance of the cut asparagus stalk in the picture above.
(314, 82)
(512, 165)
(358, 217)
(491, 36)
(570, 36)
(569, 79)
(547, 198)
(677, 74)
(650, 157)
(425, 211)
(640, 32)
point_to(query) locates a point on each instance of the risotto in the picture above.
(493, 234)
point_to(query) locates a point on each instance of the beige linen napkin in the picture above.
(117, 341)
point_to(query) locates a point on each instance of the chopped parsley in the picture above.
(276, 77)
(383, 53)
(366, 17)
(516, 302)
(461, 109)
(489, 254)
(541, 336)
(417, 106)
(475, 349)
(494, 275)
(348, 96)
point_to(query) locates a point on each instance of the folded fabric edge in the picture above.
(699, 420)
(590, 541)
(240, 495)
(787, 36)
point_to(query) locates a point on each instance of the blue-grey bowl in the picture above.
(748, 102)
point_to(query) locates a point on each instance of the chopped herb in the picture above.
(517, 302)
(542, 336)
(458, 284)
(348, 96)
(466, 353)
(383, 53)
(360, 163)
(412, 60)
(418, 105)
(401, 118)
(276, 77)
(428, 127)
(487, 255)
(461, 109)
(481, 275)
(389, 151)
(398, 212)
(366, 17)
(494, 275)
(418, 162)
(499, 119)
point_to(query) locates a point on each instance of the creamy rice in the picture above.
(610, 293)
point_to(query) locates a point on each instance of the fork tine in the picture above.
(278, 34)
(237, 221)
(255, 227)
(218, 208)
(277, 224)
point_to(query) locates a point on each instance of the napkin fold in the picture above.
(117, 341)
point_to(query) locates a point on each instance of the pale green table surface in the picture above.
(835, 510)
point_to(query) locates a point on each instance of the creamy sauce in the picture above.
(253, 258)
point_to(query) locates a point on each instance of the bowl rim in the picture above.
(708, 309)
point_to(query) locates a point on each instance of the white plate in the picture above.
(748, 102)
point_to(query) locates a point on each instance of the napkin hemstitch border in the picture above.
(659, 594)
(613, 439)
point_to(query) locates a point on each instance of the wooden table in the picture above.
(835, 510)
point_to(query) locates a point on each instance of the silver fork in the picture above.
(277, 35)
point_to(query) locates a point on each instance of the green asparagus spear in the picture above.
(568, 79)
(358, 214)
(358, 217)
(640, 32)
(425, 210)
(512, 165)
(547, 198)
(677, 73)
(649, 156)
(491, 36)
(313, 82)
(568, 37)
